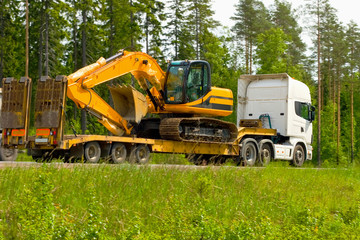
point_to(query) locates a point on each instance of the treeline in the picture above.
(67, 34)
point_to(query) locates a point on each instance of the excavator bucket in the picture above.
(129, 103)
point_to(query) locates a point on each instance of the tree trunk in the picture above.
(319, 87)
(75, 54)
(338, 121)
(334, 106)
(27, 39)
(40, 60)
(83, 42)
(197, 33)
(46, 38)
(2, 35)
(250, 56)
(352, 118)
(112, 28)
(176, 33)
(246, 55)
(132, 38)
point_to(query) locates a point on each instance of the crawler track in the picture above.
(197, 129)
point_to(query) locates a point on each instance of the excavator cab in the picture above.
(187, 81)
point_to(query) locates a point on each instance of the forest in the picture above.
(65, 35)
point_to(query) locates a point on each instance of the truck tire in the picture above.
(249, 153)
(265, 154)
(299, 156)
(118, 153)
(92, 152)
(8, 154)
(140, 154)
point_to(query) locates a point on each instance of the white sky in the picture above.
(347, 9)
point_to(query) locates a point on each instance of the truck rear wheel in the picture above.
(92, 152)
(118, 153)
(265, 154)
(249, 153)
(140, 154)
(299, 156)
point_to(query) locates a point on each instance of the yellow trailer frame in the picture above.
(163, 146)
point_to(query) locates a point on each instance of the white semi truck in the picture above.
(284, 104)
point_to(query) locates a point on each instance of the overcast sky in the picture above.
(347, 9)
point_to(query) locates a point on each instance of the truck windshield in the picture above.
(174, 84)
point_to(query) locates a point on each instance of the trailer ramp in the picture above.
(15, 111)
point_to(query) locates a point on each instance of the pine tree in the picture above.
(175, 26)
(12, 38)
(201, 23)
(251, 18)
(283, 16)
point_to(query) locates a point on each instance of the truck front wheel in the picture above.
(299, 156)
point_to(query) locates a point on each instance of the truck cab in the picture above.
(282, 103)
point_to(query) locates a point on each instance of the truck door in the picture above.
(302, 121)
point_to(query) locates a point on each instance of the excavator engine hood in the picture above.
(129, 103)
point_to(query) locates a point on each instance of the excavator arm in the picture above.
(143, 67)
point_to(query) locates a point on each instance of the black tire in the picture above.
(8, 154)
(140, 154)
(118, 153)
(299, 156)
(92, 152)
(249, 153)
(265, 154)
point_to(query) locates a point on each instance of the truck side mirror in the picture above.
(312, 113)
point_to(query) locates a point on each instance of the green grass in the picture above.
(127, 202)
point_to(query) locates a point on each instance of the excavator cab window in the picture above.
(174, 84)
(187, 81)
(197, 84)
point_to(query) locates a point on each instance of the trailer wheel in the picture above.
(118, 153)
(249, 153)
(140, 154)
(299, 156)
(92, 152)
(265, 154)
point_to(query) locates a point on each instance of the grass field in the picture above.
(130, 202)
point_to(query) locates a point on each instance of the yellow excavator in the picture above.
(183, 98)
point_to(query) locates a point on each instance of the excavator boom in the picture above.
(126, 99)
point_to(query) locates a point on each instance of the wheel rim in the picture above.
(299, 156)
(266, 156)
(8, 152)
(142, 154)
(119, 153)
(250, 153)
(93, 151)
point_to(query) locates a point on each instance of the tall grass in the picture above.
(127, 202)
